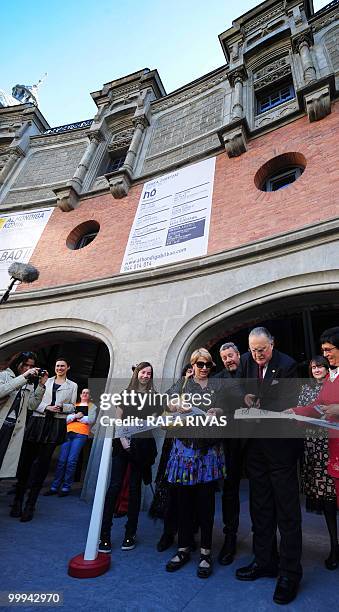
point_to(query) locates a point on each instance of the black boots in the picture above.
(27, 513)
(228, 550)
(16, 510)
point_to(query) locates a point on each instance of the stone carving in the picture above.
(234, 140)
(263, 19)
(303, 38)
(119, 183)
(275, 114)
(318, 103)
(4, 157)
(121, 140)
(67, 198)
(190, 93)
(273, 72)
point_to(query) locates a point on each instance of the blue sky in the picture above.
(84, 44)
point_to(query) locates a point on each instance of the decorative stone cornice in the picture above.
(95, 136)
(234, 138)
(316, 97)
(237, 75)
(303, 38)
(119, 183)
(140, 121)
(189, 92)
(121, 139)
(67, 197)
(318, 103)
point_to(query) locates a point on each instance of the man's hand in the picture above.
(331, 410)
(250, 401)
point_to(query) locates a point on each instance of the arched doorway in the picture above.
(296, 322)
(87, 353)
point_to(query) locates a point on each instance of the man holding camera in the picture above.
(17, 395)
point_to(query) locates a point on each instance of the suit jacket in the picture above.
(66, 396)
(276, 392)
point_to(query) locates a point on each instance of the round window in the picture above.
(82, 235)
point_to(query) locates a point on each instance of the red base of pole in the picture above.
(78, 567)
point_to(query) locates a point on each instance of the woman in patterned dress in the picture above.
(194, 466)
(317, 485)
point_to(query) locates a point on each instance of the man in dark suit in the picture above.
(233, 448)
(272, 469)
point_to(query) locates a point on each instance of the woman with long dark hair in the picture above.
(46, 429)
(136, 454)
(17, 396)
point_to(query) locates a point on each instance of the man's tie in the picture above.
(261, 373)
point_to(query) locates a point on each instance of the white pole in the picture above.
(93, 535)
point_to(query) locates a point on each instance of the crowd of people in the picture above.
(39, 413)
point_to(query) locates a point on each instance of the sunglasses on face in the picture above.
(203, 364)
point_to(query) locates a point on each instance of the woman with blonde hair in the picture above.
(195, 465)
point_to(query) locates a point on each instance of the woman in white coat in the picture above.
(45, 430)
(17, 395)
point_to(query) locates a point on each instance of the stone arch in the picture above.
(20, 336)
(190, 334)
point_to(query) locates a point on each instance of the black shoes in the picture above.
(331, 563)
(204, 571)
(286, 590)
(165, 542)
(183, 556)
(254, 571)
(105, 545)
(226, 555)
(50, 492)
(128, 543)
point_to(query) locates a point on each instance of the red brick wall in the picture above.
(241, 213)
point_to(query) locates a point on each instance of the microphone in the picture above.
(22, 273)
(25, 273)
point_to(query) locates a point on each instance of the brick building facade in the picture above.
(270, 117)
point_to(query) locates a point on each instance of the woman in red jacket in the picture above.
(326, 405)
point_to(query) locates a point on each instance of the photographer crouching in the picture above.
(17, 395)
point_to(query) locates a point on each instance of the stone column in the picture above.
(302, 45)
(15, 155)
(81, 171)
(140, 123)
(237, 105)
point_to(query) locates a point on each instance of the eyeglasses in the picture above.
(328, 351)
(259, 351)
(204, 364)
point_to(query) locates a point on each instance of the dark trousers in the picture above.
(171, 511)
(40, 455)
(274, 491)
(196, 500)
(234, 454)
(119, 466)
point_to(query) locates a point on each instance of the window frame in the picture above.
(274, 92)
(281, 174)
(81, 243)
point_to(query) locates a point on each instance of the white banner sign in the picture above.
(19, 234)
(173, 217)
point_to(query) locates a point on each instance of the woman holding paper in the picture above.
(316, 483)
(194, 466)
(78, 429)
(326, 406)
(136, 454)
